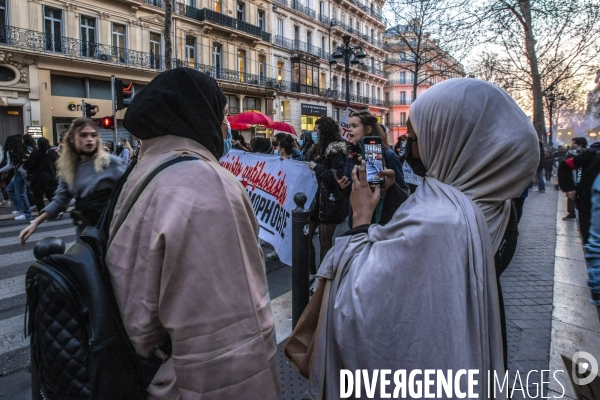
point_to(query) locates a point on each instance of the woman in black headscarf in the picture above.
(185, 263)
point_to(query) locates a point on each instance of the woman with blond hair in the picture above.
(127, 153)
(86, 172)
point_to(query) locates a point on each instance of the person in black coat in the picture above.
(330, 207)
(41, 172)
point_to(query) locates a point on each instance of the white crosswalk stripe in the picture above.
(37, 236)
(11, 334)
(12, 287)
(54, 224)
(11, 329)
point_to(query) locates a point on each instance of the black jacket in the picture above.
(589, 162)
(332, 206)
(41, 171)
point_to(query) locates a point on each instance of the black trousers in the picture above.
(39, 198)
(583, 218)
(570, 206)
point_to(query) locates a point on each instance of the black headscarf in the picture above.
(181, 102)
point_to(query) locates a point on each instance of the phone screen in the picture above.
(373, 159)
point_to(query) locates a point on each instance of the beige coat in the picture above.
(186, 262)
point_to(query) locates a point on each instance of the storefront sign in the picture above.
(313, 109)
(271, 184)
(35, 131)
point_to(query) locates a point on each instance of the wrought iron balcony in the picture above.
(156, 3)
(399, 82)
(401, 102)
(324, 19)
(371, 69)
(296, 5)
(354, 98)
(205, 14)
(356, 32)
(394, 124)
(301, 46)
(43, 42)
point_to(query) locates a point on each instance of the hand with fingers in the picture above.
(363, 198)
(26, 233)
(389, 177)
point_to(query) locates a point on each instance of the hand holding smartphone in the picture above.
(372, 155)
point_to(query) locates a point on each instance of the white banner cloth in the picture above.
(271, 184)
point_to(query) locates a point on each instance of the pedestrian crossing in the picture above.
(14, 261)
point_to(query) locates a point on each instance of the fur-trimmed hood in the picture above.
(336, 147)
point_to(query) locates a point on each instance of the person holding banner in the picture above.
(330, 207)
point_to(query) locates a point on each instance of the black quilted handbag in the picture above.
(79, 347)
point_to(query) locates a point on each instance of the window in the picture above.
(336, 114)
(378, 93)
(234, 104)
(335, 13)
(387, 97)
(403, 119)
(241, 11)
(402, 77)
(242, 64)
(53, 29)
(279, 72)
(251, 103)
(217, 60)
(191, 3)
(262, 67)
(322, 9)
(373, 92)
(358, 85)
(3, 21)
(308, 39)
(217, 6)
(88, 36)
(261, 20)
(296, 33)
(285, 110)
(190, 51)
(322, 81)
(323, 46)
(367, 90)
(280, 27)
(118, 42)
(155, 50)
(334, 83)
(306, 76)
(372, 34)
(403, 98)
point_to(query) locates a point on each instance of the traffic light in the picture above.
(90, 110)
(108, 122)
(123, 93)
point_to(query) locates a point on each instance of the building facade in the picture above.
(267, 55)
(399, 69)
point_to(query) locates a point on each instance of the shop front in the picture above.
(309, 114)
(67, 109)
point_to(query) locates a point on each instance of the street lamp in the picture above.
(351, 55)
(550, 102)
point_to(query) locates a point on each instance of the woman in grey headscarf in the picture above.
(421, 292)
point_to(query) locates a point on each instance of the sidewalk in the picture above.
(575, 324)
(528, 287)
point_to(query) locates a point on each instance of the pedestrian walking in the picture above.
(41, 172)
(425, 285)
(549, 164)
(540, 169)
(586, 167)
(4, 178)
(15, 154)
(185, 263)
(127, 153)
(86, 172)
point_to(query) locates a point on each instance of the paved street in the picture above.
(527, 287)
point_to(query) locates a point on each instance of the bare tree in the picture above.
(543, 43)
(429, 38)
(168, 34)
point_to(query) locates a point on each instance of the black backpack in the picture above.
(79, 346)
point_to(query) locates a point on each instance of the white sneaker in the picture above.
(16, 212)
(21, 217)
(272, 255)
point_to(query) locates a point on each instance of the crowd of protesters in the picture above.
(440, 246)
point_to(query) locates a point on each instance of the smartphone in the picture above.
(372, 155)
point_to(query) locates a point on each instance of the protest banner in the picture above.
(410, 176)
(345, 121)
(271, 184)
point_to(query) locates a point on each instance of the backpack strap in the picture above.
(108, 213)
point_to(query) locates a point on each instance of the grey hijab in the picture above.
(421, 292)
